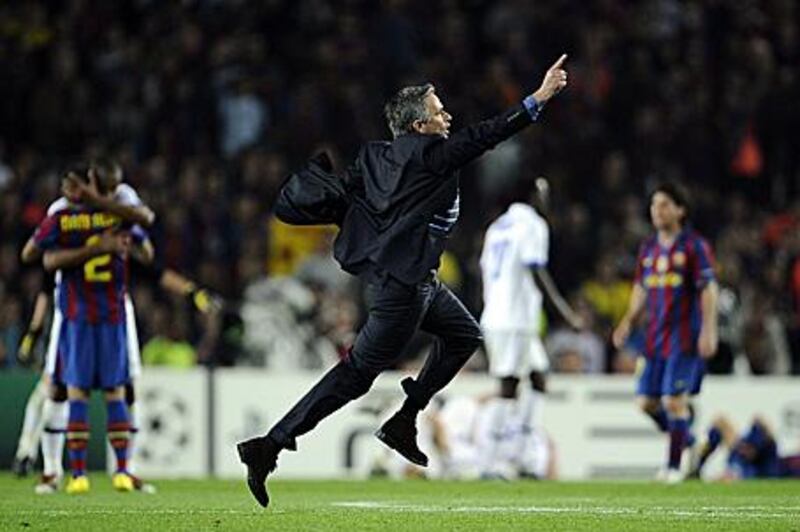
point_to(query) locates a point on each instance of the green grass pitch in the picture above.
(411, 505)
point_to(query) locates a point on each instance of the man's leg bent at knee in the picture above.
(458, 336)
(652, 407)
(393, 319)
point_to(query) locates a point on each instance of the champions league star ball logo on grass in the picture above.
(165, 432)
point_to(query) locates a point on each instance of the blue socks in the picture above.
(119, 429)
(78, 436)
(678, 438)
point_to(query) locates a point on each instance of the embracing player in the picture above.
(45, 411)
(51, 391)
(90, 248)
(675, 296)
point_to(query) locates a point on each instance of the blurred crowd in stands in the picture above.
(207, 104)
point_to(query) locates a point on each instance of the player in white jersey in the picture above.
(515, 277)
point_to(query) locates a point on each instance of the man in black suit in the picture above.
(404, 202)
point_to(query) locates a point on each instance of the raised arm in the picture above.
(87, 193)
(445, 155)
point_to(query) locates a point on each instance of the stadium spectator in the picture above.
(578, 351)
(168, 346)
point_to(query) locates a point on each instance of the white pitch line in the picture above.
(729, 512)
(151, 511)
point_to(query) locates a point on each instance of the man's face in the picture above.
(70, 190)
(438, 122)
(108, 181)
(665, 213)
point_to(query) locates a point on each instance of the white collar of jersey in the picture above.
(521, 208)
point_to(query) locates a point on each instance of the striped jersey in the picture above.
(93, 291)
(673, 278)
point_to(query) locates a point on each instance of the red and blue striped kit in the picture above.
(673, 277)
(94, 291)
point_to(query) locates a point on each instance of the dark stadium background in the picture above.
(208, 104)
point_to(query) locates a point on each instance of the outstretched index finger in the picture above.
(559, 62)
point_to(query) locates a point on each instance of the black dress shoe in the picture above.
(22, 467)
(260, 455)
(400, 434)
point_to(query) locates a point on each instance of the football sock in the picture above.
(119, 427)
(33, 424)
(56, 415)
(530, 418)
(714, 439)
(78, 436)
(660, 418)
(136, 422)
(500, 411)
(531, 410)
(678, 431)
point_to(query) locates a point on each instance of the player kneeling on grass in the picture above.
(91, 249)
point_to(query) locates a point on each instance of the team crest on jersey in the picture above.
(679, 258)
(662, 263)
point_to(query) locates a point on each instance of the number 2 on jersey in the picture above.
(95, 270)
(497, 253)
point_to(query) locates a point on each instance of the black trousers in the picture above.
(396, 312)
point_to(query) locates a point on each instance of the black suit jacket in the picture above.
(395, 189)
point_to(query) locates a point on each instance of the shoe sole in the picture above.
(393, 444)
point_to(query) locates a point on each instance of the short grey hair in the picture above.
(406, 107)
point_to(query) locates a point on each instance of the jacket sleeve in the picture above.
(443, 156)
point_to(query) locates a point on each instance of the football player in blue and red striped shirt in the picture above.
(675, 297)
(751, 455)
(90, 248)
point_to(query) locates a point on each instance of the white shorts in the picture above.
(134, 354)
(515, 353)
(51, 355)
